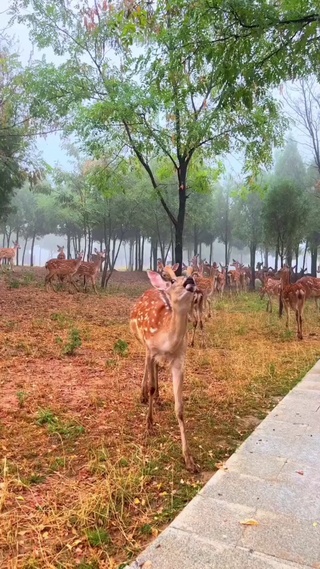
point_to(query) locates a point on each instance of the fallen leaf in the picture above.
(136, 501)
(249, 523)
(300, 472)
(315, 524)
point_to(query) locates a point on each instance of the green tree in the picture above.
(166, 100)
(285, 215)
(249, 224)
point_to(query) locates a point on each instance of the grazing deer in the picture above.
(159, 321)
(61, 254)
(90, 270)
(9, 253)
(62, 269)
(271, 288)
(292, 296)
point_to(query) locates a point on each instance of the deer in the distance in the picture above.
(159, 321)
(63, 269)
(292, 296)
(271, 288)
(90, 269)
(61, 254)
(9, 253)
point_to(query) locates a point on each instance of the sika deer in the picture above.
(62, 269)
(9, 253)
(271, 288)
(159, 321)
(91, 269)
(61, 254)
(292, 296)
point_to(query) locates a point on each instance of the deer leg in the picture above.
(144, 384)
(287, 308)
(94, 285)
(71, 281)
(152, 389)
(156, 381)
(195, 324)
(177, 380)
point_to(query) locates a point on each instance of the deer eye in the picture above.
(173, 281)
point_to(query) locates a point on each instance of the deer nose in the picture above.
(189, 284)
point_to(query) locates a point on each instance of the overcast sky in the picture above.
(51, 147)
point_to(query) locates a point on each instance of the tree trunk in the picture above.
(297, 260)
(253, 249)
(32, 249)
(68, 245)
(304, 255)
(200, 252)
(314, 258)
(266, 257)
(154, 255)
(211, 251)
(182, 174)
(142, 254)
(195, 240)
(226, 255)
(17, 253)
(24, 251)
(130, 254)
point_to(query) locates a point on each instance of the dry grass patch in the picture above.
(82, 485)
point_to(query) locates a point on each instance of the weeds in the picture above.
(121, 348)
(68, 430)
(73, 344)
(21, 396)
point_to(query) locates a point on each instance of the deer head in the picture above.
(16, 245)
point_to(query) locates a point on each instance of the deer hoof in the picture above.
(191, 466)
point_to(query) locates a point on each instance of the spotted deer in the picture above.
(90, 269)
(62, 269)
(292, 296)
(61, 254)
(159, 321)
(9, 253)
(271, 288)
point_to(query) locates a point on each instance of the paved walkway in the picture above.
(273, 479)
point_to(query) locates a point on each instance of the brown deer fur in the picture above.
(159, 321)
(61, 254)
(271, 288)
(9, 254)
(91, 269)
(292, 296)
(62, 269)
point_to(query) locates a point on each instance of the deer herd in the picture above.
(159, 319)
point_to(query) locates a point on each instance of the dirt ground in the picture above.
(81, 484)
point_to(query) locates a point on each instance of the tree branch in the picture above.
(150, 173)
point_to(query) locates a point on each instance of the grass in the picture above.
(82, 485)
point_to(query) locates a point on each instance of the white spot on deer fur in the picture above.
(153, 330)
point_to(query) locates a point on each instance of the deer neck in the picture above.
(178, 323)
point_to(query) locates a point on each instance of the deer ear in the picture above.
(175, 267)
(156, 280)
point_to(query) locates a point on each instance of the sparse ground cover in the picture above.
(82, 485)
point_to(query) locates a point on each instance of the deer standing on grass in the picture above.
(61, 254)
(90, 270)
(159, 321)
(292, 296)
(63, 269)
(9, 253)
(206, 287)
(271, 288)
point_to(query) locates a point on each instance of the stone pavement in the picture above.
(273, 479)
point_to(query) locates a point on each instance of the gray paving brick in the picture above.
(284, 537)
(175, 549)
(271, 495)
(255, 464)
(214, 519)
(274, 477)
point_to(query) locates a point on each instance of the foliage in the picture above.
(73, 344)
(169, 99)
